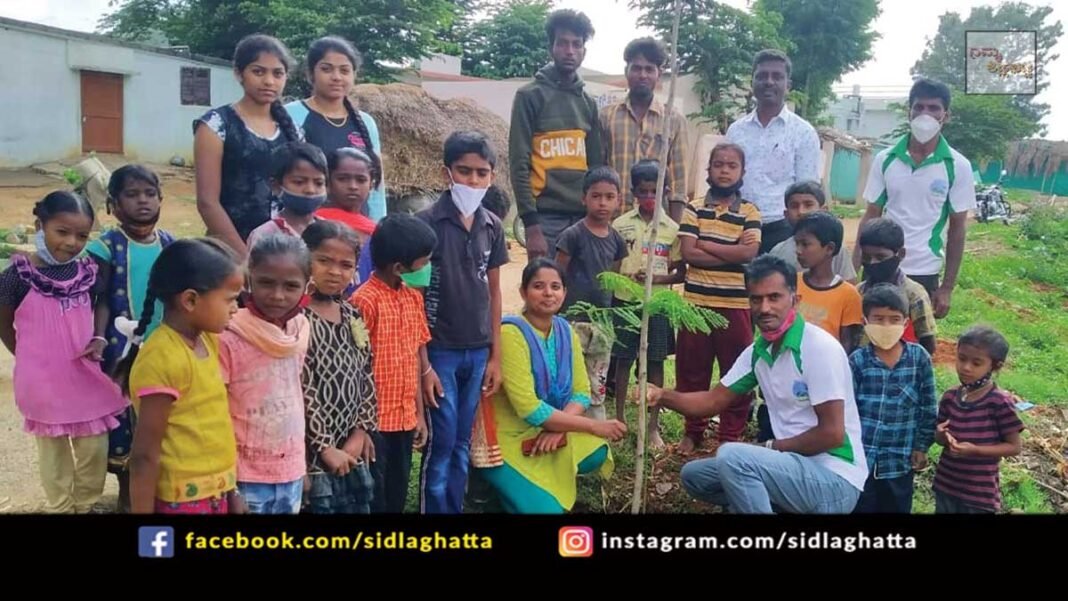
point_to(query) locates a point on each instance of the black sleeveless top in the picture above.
(245, 191)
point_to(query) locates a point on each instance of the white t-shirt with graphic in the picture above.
(921, 198)
(810, 369)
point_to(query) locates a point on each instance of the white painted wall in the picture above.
(40, 103)
(157, 125)
(494, 96)
(40, 100)
(441, 63)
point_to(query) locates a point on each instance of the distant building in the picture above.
(867, 113)
(66, 93)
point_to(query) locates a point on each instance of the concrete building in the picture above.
(67, 93)
(868, 113)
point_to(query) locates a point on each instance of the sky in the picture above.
(905, 25)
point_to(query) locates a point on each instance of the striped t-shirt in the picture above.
(987, 421)
(718, 287)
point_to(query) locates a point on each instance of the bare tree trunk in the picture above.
(643, 347)
(807, 105)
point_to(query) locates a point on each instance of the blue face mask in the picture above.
(44, 253)
(299, 204)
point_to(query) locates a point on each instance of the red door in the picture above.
(101, 112)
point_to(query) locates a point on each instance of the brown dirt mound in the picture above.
(415, 125)
(945, 352)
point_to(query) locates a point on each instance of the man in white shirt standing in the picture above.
(780, 147)
(924, 185)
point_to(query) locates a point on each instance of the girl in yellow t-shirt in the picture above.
(184, 455)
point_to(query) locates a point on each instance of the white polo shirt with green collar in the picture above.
(921, 198)
(809, 369)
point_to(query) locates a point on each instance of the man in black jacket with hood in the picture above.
(555, 137)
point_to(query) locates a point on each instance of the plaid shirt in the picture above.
(397, 326)
(627, 141)
(897, 408)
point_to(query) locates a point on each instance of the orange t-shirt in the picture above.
(830, 308)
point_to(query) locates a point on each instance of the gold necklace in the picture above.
(328, 118)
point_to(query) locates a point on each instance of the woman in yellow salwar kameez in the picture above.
(545, 439)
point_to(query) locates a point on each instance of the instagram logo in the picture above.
(576, 541)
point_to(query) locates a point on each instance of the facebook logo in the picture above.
(155, 541)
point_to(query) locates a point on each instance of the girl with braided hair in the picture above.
(233, 144)
(184, 454)
(330, 120)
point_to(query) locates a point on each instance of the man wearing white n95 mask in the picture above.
(927, 187)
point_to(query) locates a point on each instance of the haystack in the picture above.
(413, 127)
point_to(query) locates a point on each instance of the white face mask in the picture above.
(924, 128)
(466, 198)
(885, 337)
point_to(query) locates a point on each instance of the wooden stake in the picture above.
(643, 346)
(1049, 488)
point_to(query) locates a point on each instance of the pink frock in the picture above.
(58, 393)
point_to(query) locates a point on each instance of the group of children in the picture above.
(287, 383)
(885, 323)
(218, 384)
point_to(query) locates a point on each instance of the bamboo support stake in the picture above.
(643, 347)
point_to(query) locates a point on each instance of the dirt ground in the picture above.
(20, 489)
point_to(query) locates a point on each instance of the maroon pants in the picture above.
(694, 354)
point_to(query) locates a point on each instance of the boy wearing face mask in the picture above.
(462, 361)
(635, 226)
(926, 187)
(895, 390)
(298, 181)
(396, 321)
(719, 235)
(882, 246)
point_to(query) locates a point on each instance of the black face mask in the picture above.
(883, 271)
(976, 385)
(723, 191)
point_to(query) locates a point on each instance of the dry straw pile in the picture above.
(413, 127)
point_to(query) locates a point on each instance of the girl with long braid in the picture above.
(184, 454)
(330, 120)
(233, 144)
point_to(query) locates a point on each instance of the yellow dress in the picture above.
(542, 483)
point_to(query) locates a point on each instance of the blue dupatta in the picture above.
(552, 379)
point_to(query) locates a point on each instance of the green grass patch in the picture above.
(847, 211)
(1019, 195)
(999, 288)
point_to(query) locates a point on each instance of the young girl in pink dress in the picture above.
(46, 321)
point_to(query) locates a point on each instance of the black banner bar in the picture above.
(574, 539)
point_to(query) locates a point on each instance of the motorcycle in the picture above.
(991, 204)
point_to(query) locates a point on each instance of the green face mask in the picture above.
(418, 279)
